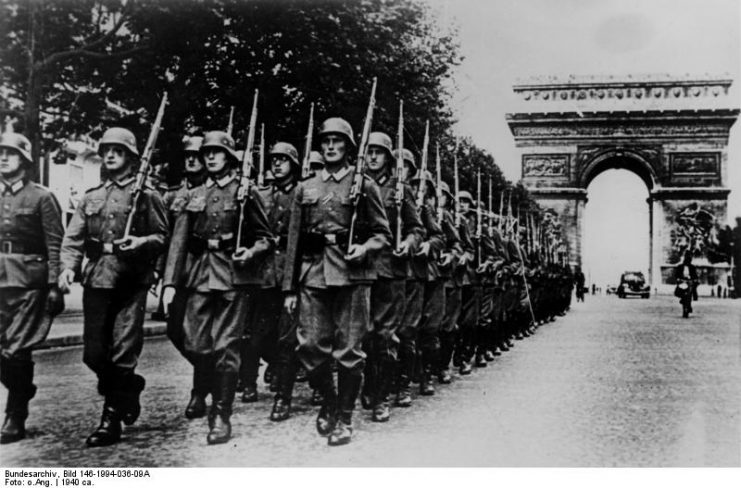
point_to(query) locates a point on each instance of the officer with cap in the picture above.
(217, 272)
(387, 293)
(330, 278)
(194, 172)
(118, 273)
(268, 321)
(30, 236)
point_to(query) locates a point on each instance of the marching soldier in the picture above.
(217, 273)
(118, 273)
(387, 293)
(30, 236)
(274, 331)
(472, 292)
(330, 278)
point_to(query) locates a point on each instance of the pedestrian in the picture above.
(329, 273)
(116, 278)
(30, 238)
(217, 272)
(387, 292)
(579, 284)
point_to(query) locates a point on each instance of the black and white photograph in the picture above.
(368, 234)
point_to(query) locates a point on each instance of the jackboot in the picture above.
(386, 371)
(249, 393)
(480, 361)
(321, 379)
(403, 382)
(317, 399)
(201, 387)
(369, 381)
(285, 378)
(133, 385)
(446, 354)
(109, 430)
(221, 427)
(425, 385)
(349, 387)
(17, 376)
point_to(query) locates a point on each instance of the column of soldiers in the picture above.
(367, 295)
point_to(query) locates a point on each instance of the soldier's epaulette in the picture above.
(100, 185)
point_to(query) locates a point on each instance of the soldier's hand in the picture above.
(54, 301)
(465, 259)
(446, 259)
(168, 293)
(356, 253)
(424, 249)
(130, 243)
(290, 302)
(66, 278)
(242, 255)
(404, 249)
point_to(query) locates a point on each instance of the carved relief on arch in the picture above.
(648, 158)
(545, 165)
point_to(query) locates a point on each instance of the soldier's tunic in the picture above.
(452, 276)
(471, 294)
(115, 283)
(273, 331)
(387, 293)
(334, 295)
(30, 236)
(199, 260)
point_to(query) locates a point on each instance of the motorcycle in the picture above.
(684, 292)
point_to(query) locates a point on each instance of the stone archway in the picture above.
(673, 133)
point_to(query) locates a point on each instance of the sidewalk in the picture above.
(66, 330)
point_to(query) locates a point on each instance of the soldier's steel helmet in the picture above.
(382, 140)
(337, 125)
(445, 188)
(408, 157)
(19, 142)
(219, 139)
(192, 143)
(426, 176)
(285, 149)
(316, 160)
(122, 137)
(464, 195)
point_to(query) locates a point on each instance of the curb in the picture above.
(76, 339)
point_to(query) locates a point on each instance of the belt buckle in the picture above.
(213, 244)
(330, 238)
(107, 248)
(7, 247)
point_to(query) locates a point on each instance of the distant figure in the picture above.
(594, 289)
(686, 290)
(579, 283)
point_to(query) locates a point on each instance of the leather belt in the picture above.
(199, 245)
(14, 247)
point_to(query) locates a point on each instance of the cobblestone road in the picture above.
(614, 383)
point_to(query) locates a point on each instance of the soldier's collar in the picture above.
(383, 179)
(286, 188)
(337, 176)
(126, 180)
(221, 182)
(15, 187)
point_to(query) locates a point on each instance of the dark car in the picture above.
(633, 283)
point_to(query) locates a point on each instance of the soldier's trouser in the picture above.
(113, 333)
(428, 334)
(448, 328)
(214, 323)
(387, 310)
(407, 333)
(286, 359)
(333, 322)
(470, 308)
(262, 341)
(24, 322)
(175, 318)
(483, 328)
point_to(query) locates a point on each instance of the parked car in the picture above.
(633, 283)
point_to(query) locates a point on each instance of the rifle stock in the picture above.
(246, 170)
(399, 196)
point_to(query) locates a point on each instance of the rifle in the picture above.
(246, 171)
(422, 180)
(261, 168)
(357, 185)
(439, 180)
(456, 184)
(230, 126)
(305, 166)
(479, 229)
(399, 196)
(510, 224)
(501, 212)
(141, 176)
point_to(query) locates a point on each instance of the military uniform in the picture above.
(30, 237)
(334, 294)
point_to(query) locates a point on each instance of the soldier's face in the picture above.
(193, 163)
(216, 160)
(280, 165)
(10, 161)
(465, 205)
(376, 158)
(114, 157)
(334, 149)
(408, 171)
(444, 200)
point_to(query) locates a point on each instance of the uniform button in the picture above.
(216, 199)
(111, 216)
(110, 232)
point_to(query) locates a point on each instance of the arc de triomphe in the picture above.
(672, 133)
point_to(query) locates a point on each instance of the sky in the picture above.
(504, 41)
